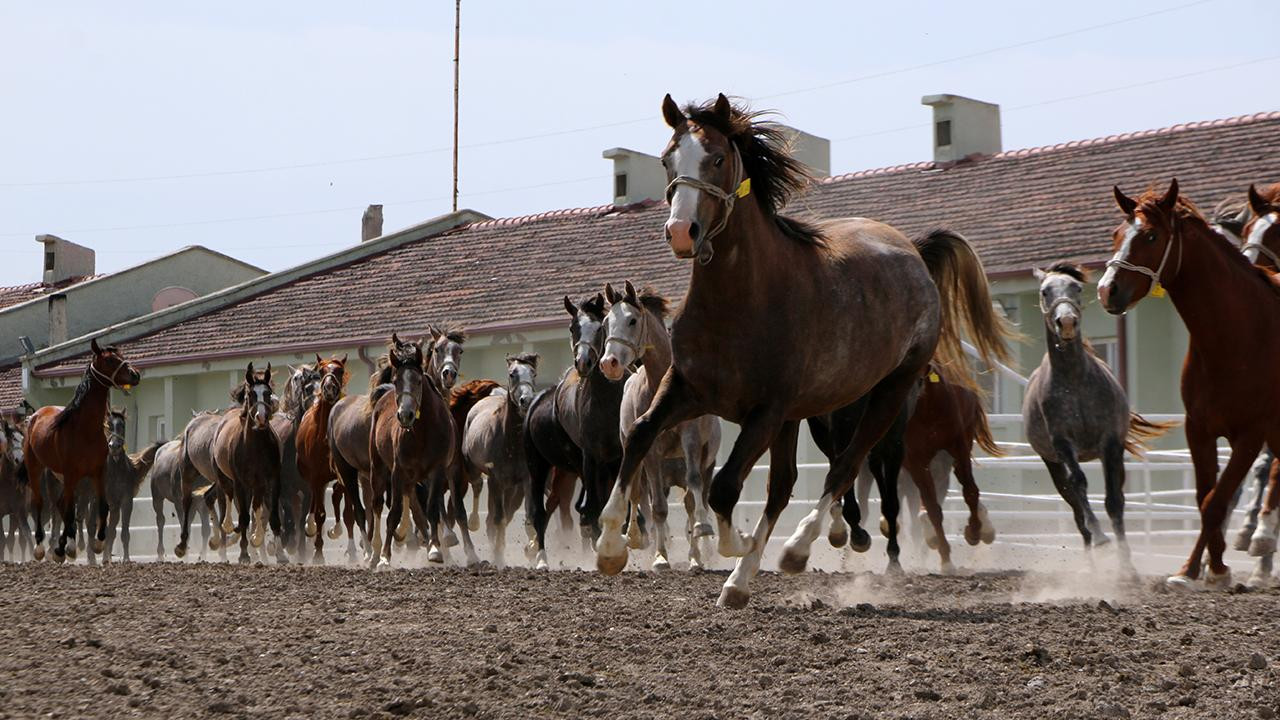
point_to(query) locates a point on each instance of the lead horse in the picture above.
(862, 308)
(1165, 244)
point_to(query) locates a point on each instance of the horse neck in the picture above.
(748, 253)
(1065, 356)
(657, 350)
(1213, 294)
(322, 408)
(93, 406)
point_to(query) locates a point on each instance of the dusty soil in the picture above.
(210, 640)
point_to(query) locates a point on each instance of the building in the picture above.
(72, 300)
(504, 278)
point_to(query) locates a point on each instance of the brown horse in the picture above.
(69, 442)
(410, 442)
(247, 453)
(1164, 243)
(14, 498)
(862, 308)
(312, 440)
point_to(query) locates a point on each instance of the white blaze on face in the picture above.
(1257, 232)
(1122, 254)
(686, 159)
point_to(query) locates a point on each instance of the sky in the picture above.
(262, 130)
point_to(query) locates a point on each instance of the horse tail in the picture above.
(1141, 430)
(965, 301)
(982, 435)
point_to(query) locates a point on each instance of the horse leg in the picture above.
(782, 479)
(157, 505)
(759, 430)
(1263, 541)
(693, 447)
(1075, 489)
(927, 490)
(658, 512)
(1203, 447)
(67, 511)
(335, 497)
(979, 528)
(884, 404)
(1261, 472)
(495, 523)
(316, 526)
(126, 517)
(35, 482)
(1213, 510)
(1062, 481)
(535, 500)
(1113, 472)
(205, 529)
(244, 506)
(889, 458)
(672, 404)
(428, 518)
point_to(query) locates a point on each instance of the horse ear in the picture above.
(395, 339)
(1126, 203)
(343, 361)
(267, 374)
(723, 109)
(93, 345)
(1039, 274)
(435, 333)
(672, 114)
(612, 295)
(632, 297)
(1257, 203)
(1170, 199)
(533, 360)
(248, 373)
(570, 307)
(319, 363)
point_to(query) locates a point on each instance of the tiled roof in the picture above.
(10, 387)
(1020, 208)
(15, 294)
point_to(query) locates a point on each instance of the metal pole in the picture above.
(457, 37)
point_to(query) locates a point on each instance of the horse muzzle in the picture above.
(612, 368)
(1113, 298)
(448, 377)
(405, 417)
(682, 236)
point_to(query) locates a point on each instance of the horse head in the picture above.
(522, 369)
(111, 369)
(1061, 289)
(332, 378)
(115, 427)
(408, 376)
(1262, 233)
(1143, 245)
(629, 325)
(257, 398)
(446, 354)
(586, 332)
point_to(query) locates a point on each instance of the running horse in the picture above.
(13, 497)
(1164, 245)
(312, 438)
(246, 452)
(410, 442)
(69, 442)
(861, 308)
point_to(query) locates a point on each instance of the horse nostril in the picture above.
(694, 230)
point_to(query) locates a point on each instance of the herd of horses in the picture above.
(847, 325)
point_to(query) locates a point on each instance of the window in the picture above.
(942, 133)
(156, 426)
(48, 260)
(620, 185)
(1109, 350)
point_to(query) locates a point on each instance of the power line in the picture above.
(601, 126)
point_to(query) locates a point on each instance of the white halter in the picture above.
(742, 186)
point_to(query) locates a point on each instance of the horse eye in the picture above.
(720, 161)
(632, 322)
(1150, 238)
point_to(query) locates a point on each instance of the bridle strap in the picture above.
(108, 380)
(1263, 249)
(741, 188)
(1154, 275)
(1064, 300)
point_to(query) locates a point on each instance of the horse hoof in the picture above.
(71, 552)
(59, 555)
(838, 535)
(473, 523)
(181, 551)
(451, 540)
(38, 553)
(99, 546)
(884, 527)
(703, 529)
(988, 535)
(245, 559)
(1262, 545)
(531, 550)
(273, 548)
(1259, 580)
(1100, 539)
(859, 540)
(733, 598)
(318, 558)
(894, 568)
(611, 564)
(948, 568)
(1243, 538)
(695, 566)
(661, 564)
(972, 535)
(931, 539)
(1180, 582)
(435, 556)
(793, 561)
(383, 564)
(1217, 581)
(335, 533)
(255, 541)
(213, 544)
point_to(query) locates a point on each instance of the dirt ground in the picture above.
(211, 640)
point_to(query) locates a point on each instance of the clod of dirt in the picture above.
(400, 706)
(928, 694)
(1130, 632)
(119, 688)
(1104, 605)
(1186, 670)
(1036, 683)
(1112, 710)
(1257, 662)
(1266, 713)
(1038, 655)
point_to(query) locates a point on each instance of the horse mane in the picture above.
(1231, 214)
(1149, 203)
(82, 390)
(765, 149)
(525, 358)
(1270, 193)
(1070, 269)
(471, 392)
(594, 306)
(381, 376)
(654, 302)
(453, 333)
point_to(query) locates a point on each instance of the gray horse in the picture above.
(637, 333)
(295, 494)
(200, 477)
(122, 477)
(14, 498)
(1075, 411)
(166, 485)
(493, 445)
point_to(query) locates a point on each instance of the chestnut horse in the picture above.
(861, 308)
(1262, 232)
(410, 441)
(312, 438)
(69, 442)
(1165, 244)
(247, 454)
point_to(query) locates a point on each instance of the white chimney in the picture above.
(962, 127)
(371, 223)
(57, 319)
(64, 259)
(637, 176)
(813, 151)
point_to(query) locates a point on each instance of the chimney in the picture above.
(813, 151)
(636, 176)
(64, 259)
(57, 319)
(963, 127)
(371, 224)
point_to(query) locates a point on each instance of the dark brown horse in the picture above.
(247, 453)
(862, 308)
(69, 442)
(1165, 244)
(410, 443)
(312, 441)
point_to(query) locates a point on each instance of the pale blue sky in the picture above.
(95, 91)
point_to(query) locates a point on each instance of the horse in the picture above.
(944, 424)
(167, 484)
(461, 477)
(1074, 410)
(584, 407)
(349, 431)
(861, 308)
(1165, 245)
(1261, 233)
(638, 333)
(493, 445)
(555, 462)
(410, 441)
(123, 477)
(444, 359)
(14, 498)
(312, 441)
(295, 493)
(247, 454)
(201, 481)
(69, 442)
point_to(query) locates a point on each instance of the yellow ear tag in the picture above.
(744, 188)
(933, 377)
(128, 387)
(417, 414)
(1157, 291)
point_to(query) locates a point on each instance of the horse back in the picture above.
(350, 425)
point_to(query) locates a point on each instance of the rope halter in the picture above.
(105, 379)
(1155, 288)
(702, 248)
(1256, 244)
